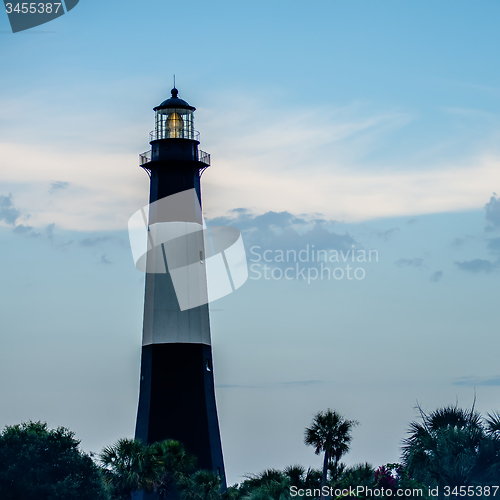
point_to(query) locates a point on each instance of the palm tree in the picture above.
(296, 475)
(271, 484)
(129, 466)
(493, 424)
(174, 463)
(453, 447)
(329, 433)
(202, 485)
(356, 475)
(269, 478)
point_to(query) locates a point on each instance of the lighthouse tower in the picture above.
(177, 395)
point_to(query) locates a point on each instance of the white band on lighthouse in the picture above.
(187, 265)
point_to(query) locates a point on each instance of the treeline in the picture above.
(452, 449)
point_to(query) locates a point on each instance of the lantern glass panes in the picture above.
(174, 123)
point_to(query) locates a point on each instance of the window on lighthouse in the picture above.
(175, 126)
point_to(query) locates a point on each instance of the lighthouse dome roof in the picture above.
(174, 102)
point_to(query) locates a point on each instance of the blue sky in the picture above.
(328, 122)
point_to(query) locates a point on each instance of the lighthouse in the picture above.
(177, 394)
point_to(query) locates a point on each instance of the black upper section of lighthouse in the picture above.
(174, 150)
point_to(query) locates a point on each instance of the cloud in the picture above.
(412, 221)
(318, 160)
(49, 231)
(26, 231)
(476, 266)
(307, 159)
(22, 229)
(244, 218)
(416, 262)
(458, 242)
(8, 213)
(302, 382)
(493, 245)
(493, 212)
(285, 231)
(97, 202)
(295, 383)
(437, 276)
(91, 242)
(58, 186)
(474, 381)
(105, 261)
(385, 235)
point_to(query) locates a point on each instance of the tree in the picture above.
(202, 485)
(271, 483)
(356, 475)
(296, 475)
(453, 447)
(274, 484)
(329, 433)
(174, 462)
(129, 466)
(38, 463)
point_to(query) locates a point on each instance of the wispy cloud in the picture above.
(474, 381)
(493, 213)
(459, 241)
(58, 186)
(105, 260)
(317, 161)
(310, 159)
(477, 266)
(8, 213)
(283, 230)
(493, 245)
(415, 262)
(26, 231)
(385, 235)
(437, 276)
(98, 199)
(295, 383)
(98, 240)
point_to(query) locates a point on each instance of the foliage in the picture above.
(202, 485)
(356, 475)
(174, 463)
(450, 446)
(453, 447)
(405, 482)
(329, 433)
(384, 478)
(38, 463)
(130, 466)
(270, 483)
(273, 484)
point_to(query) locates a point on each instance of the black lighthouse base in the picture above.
(177, 401)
